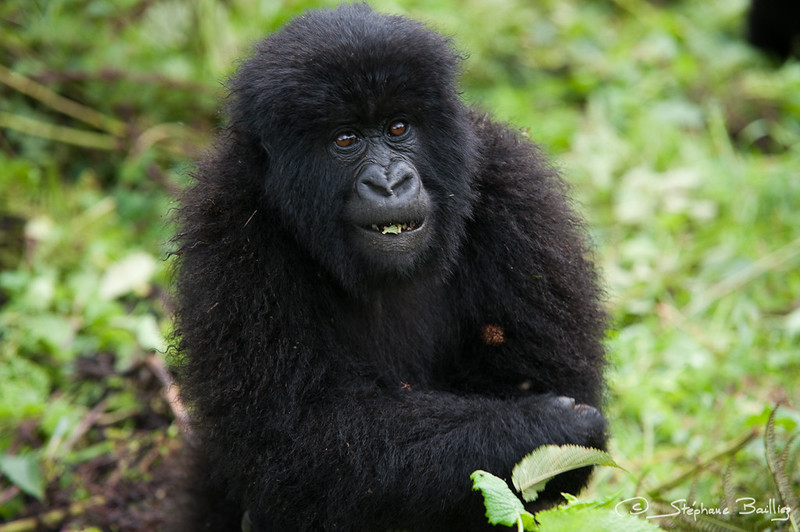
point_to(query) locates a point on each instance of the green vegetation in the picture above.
(530, 477)
(682, 145)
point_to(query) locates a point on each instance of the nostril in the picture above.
(371, 189)
(379, 188)
(373, 182)
(403, 179)
(399, 185)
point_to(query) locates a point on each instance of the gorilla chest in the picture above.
(398, 335)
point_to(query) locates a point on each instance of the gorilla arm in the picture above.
(407, 453)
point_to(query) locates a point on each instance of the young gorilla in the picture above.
(379, 291)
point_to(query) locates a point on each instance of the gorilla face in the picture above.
(387, 210)
(369, 149)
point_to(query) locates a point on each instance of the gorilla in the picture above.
(379, 290)
(774, 27)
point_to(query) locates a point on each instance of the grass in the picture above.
(681, 142)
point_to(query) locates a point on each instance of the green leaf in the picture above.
(502, 506)
(391, 229)
(570, 518)
(149, 335)
(533, 472)
(127, 275)
(24, 472)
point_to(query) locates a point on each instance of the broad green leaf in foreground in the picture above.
(533, 472)
(570, 518)
(24, 472)
(502, 506)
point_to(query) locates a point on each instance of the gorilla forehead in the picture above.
(350, 62)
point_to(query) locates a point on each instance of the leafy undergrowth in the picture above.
(531, 475)
(633, 514)
(112, 469)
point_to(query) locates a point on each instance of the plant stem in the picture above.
(63, 105)
(78, 137)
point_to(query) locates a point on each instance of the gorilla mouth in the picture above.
(394, 228)
(392, 237)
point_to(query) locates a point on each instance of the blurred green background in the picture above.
(681, 142)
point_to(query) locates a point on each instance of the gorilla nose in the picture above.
(397, 182)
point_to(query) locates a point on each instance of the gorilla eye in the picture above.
(346, 139)
(397, 128)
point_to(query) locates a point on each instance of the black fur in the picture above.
(332, 388)
(774, 26)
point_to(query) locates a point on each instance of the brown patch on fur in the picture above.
(493, 335)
